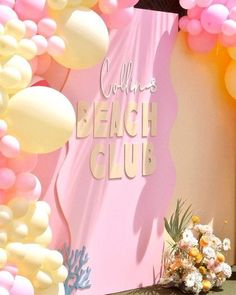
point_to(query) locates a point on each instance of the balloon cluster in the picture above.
(211, 22)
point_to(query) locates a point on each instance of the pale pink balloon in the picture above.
(47, 27)
(44, 62)
(203, 42)
(204, 3)
(25, 182)
(23, 163)
(6, 14)
(6, 279)
(108, 6)
(3, 128)
(183, 23)
(187, 4)
(7, 178)
(227, 41)
(31, 28)
(232, 14)
(11, 269)
(213, 17)
(22, 286)
(231, 3)
(219, 1)
(34, 194)
(9, 146)
(41, 44)
(9, 3)
(119, 18)
(32, 10)
(195, 12)
(56, 46)
(229, 27)
(194, 27)
(127, 3)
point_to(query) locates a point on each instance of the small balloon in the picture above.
(187, 4)
(4, 98)
(183, 23)
(57, 4)
(229, 27)
(9, 146)
(30, 28)
(15, 28)
(56, 289)
(6, 279)
(194, 27)
(108, 6)
(22, 286)
(47, 27)
(7, 178)
(195, 12)
(6, 14)
(24, 162)
(41, 43)
(119, 18)
(27, 49)
(56, 46)
(204, 3)
(8, 45)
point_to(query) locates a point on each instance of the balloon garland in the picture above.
(208, 23)
(36, 119)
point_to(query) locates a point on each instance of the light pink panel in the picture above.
(119, 221)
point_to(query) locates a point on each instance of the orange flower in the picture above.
(202, 270)
(206, 285)
(177, 264)
(204, 241)
(195, 219)
(193, 252)
(220, 257)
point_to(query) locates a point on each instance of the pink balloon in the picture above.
(47, 27)
(11, 269)
(194, 27)
(25, 182)
(41, 44)
(9, 146)
(229, 27)
(33, 194)
(108, 6)
(219, 1)
(32, 10)
(44, 62)
(204, 3)
(203, 42)
(34, 64)
(119, 18)
(6, 14)
(7, 178)
(22, 286)
(227, 41)
(23, 163)
(213, 17)
(6, 279)
(183, 23)
(9, 3)
(31, 28)
(231, 3)
(127, 3)
(195, 12)
(187, 4)
(232, 14)
(3, 128)
(3, 160)
(56, 46)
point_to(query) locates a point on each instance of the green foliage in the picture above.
(178, 221)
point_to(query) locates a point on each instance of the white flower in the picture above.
(204, 229)
(226, 270)
(192, 279)
(216, 243)
(209, 252)
(226, 244)
(218, 268)
(188, 239)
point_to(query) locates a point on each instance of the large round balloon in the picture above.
(41, 118)
(85, 35)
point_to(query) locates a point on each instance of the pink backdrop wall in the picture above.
(119, 221)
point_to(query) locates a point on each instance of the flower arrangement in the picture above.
(196, 261)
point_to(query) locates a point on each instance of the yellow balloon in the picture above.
(27, 49)
(38, 222)
(85, 35)
(42, 280)
(4, 98)
(53, 260)
(15, 28)
(57, 4)
(44, 239)
(230, 78)
(5, 215)
(16, 252)
(89, 3)
(19, 206)
(8, 45)
(41, 118)
(9, 77)
(24, 69)
(60, 274)
(3, 238)
(53, 290)
(3, 257)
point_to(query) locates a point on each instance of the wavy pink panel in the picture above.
(119, 221)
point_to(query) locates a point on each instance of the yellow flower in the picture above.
(220, 257)
(204, 241)
(199, 258)
(194, 252)
(202, 270)
(206, 285)
(195, 219)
